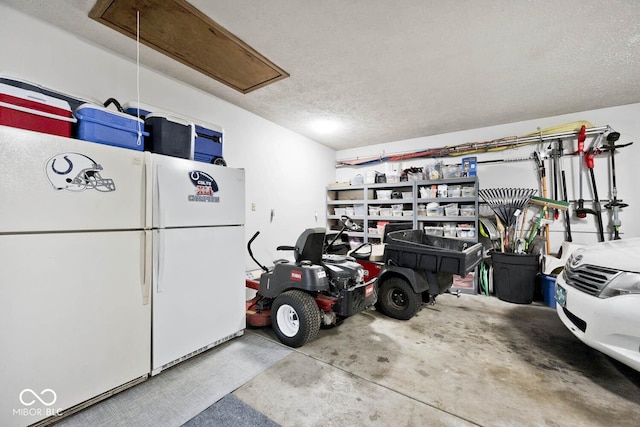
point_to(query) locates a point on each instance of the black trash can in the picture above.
(514, 276)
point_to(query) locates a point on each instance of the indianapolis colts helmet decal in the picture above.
(76, 172)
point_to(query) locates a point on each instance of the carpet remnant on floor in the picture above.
(230, 412)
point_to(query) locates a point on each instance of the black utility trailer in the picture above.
(418, 267)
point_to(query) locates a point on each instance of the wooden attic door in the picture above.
(180, 31)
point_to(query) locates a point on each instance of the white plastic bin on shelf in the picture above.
(466, 231)
(383, 194)
(466, 210)
(453, 191)
(449, 230)
(407, 195)
(434, 209)
(358, 210)
(374, 210)
(407, 213)
(468, 191)
(451, 171)
(451, 209)
(433, 230)
(340, 211)
(370, 177)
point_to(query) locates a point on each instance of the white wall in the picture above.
(623, 119)
(288, 172)
(284, 171)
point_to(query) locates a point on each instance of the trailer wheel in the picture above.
(295, 318)
(397, 299)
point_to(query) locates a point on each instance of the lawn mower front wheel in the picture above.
(295, 318)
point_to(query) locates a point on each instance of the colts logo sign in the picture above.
(205, 186)
(77, 172)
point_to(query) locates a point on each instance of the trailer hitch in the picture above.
(456, 293)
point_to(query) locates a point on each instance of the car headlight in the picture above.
(623, 284)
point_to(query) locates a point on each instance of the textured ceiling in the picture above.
(392, 70)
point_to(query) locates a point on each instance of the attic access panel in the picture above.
(180, 31)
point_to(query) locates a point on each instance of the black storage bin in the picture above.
(514, 276)
(169, 135)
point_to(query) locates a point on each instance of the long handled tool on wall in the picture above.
(615, 204)
(469, 148)
(565, 198)
(553, 164)
(581, 211)
(542, 174)
(589, 160)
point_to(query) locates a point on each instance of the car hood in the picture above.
(618, 254)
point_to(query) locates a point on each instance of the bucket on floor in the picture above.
(514, 276)
(548, 286)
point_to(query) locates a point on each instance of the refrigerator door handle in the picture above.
(147, 273)
(146, 192)
(159, 259)
(156, 202)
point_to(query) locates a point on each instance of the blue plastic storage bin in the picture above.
(548, 287)
(97, 124)
(208, 143)
(138, 109)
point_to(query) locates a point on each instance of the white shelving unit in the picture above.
(360, 201)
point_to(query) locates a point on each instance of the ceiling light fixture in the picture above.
(325, 126)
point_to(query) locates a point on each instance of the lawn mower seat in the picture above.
(309, 246)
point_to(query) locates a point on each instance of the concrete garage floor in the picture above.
(474, 360)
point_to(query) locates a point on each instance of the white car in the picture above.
(598, 298)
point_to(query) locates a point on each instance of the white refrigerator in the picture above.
(75, 312)
(196, 214)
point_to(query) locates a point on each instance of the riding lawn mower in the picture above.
(318, 288)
